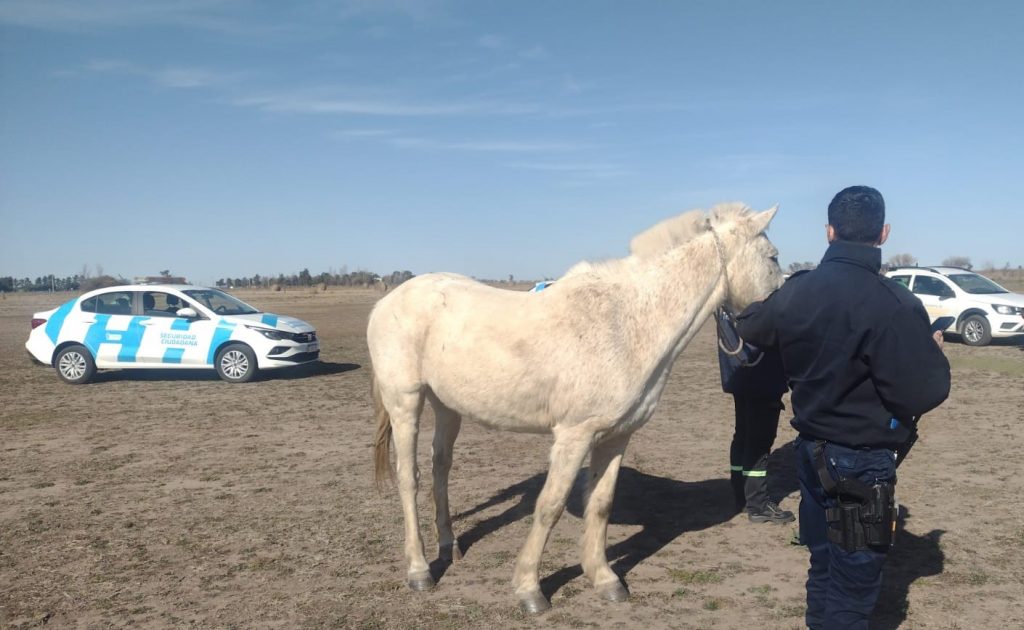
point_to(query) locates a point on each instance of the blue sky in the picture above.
(230, 137)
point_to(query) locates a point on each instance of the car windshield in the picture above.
(973, 283)
(220, 302)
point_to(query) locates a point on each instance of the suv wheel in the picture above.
(976, 331)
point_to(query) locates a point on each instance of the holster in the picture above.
(866, 515)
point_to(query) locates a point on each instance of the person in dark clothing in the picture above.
(757, 382)
(863, 366)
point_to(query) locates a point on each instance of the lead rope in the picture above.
(727, 313)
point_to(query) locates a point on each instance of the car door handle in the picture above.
(145, 323)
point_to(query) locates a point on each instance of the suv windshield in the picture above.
(220, 302)
(973, 283)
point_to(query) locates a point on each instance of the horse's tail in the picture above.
(382, 470)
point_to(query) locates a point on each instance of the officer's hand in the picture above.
(937, 336)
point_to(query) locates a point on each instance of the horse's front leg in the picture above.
(446, 429)
(405, 427)
(570, 448)
(601, 477)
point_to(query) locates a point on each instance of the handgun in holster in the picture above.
(865, 517)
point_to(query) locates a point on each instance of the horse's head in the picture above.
(751, 261)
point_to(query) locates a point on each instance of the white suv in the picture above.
(982, 308)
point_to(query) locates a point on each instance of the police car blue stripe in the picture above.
(269, 320)
(131, 339)
(96, 334)
(56, 321)
(173, 355)
(220, 335)
(181, 323)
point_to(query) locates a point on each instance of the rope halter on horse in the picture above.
(727, 314)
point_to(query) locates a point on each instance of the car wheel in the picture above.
(236, 363)
(74, 365)
(975, 331)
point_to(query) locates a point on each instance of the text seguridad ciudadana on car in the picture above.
(167, 326)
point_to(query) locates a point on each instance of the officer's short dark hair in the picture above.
(857, 214)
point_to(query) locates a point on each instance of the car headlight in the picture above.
(1004, 309)
(270, 333)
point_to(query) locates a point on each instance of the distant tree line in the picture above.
(54, 283)
(305, 279)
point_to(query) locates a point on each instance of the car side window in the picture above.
(115, 303)
(904, 280)
(926, 285)
(159, 304)
(89, 306)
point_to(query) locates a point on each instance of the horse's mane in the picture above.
(671, 233)
(677, 230)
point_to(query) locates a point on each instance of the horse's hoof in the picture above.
(450, 553)
(613, 592)
(421, 582)
(533, 603)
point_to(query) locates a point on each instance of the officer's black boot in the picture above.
(760, 509)
(738, 481)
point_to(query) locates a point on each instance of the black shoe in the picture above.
(770, 513)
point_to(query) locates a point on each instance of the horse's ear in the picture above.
(761, 220)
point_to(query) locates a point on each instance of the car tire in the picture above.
(74, 365)
(975, 331)
(236, 363)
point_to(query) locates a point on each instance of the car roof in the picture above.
(945, 271)
(150, 287)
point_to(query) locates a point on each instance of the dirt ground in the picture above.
(172, 499)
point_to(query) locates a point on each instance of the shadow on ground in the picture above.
(306, 370)
(912, 557)
(664, 508)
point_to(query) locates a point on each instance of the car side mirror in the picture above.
(946, 296)
(188, 313)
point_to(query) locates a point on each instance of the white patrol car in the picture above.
(167, 326)
(982, 309)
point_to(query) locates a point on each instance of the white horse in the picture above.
(585, 360)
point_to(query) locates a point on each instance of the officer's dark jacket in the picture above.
(855, 346)
(751, 372)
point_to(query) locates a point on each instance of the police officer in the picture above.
(863, 366)
(757, 382)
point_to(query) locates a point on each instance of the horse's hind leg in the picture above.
(446, 429)
(567, 454)
(405, 411)
(601, 477)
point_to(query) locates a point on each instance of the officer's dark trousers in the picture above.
(842, 586)
(757, 422)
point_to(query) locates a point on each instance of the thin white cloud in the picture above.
(365, 133)
(236, 17)
(570, 85)
(358, 102)
(534, 52)
(595, 170)
(81, 15)
(487, 146)
(491, 41)
(416, 10)
(112, 66)
(744, 164)
(170, 77)
(299, 104)
(309, 102)
(186, 78)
